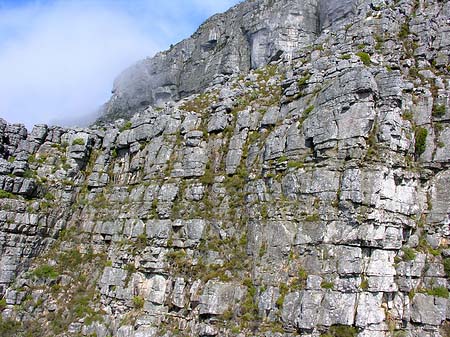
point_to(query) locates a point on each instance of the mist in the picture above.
(58, 59)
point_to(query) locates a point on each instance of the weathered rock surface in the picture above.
(246, 37)
(305, 197)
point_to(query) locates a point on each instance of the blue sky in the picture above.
(58, 58)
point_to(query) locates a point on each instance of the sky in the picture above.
(59, 58)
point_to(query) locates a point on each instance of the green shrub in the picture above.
(70, 259)
(341, 331)
(400, 334)
(45, 272)
(364, 57)
(284, 289)
(29, 174)
(414, 72)
(227, 315)
(236, 329)
(234, 183)
(2, 304)
(49, 196)
(346, 57)
(302, 81)
(6, 195)
(438, 110)
(282, 159)
(138, 302)
(421, 137)
(312, 217)
(295, 164)
(446, 263)
(407, 115)
(364, 284)
(438, 292)
(302, 274)
(81, 306)
(78, 141)
(404, 31)
(264, 212)
(9, 328)
(208, 177)
(327, 285)
(141, 241)
(126, 126)
(114, 153)
(408, 254)
(379, 44)
(308, 111)
(299, 282)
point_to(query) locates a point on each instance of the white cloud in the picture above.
(58, 59)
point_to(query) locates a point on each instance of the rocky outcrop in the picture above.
(307, 197)
(246, 37)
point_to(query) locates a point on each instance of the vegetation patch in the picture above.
(45, 272)
(421, 138)
(138, 302)
(303, 80)
(295, 164)
(299, 282)
(438, 110)
(78, 141)
(407, 115)
(404, 31)
(409, 254)
(199, 103)
(446, 263)
(327, 285)
(6, 195)
(9, 328)
(2, 304)
(249, 306)
(141, 242)
(126, 126)
(438, 292)
(364, 57)
(341, 331)
(208, 177)
(364, 284)
(312, 217)
(284, 289)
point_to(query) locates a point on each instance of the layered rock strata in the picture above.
(307, 197)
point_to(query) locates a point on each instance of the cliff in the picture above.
(246, 37)
(304, 194)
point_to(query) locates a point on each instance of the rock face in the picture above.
(305, 197)
(246, 37)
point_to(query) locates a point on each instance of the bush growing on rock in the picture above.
(138, 302)
(45, 272)
(78, 141)
(364, 57)
(421, 138)
(341, 331)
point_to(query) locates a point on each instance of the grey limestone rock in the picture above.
(283, 172)
(219, 297)
(247, 36)
(5, 167)
(428, 309)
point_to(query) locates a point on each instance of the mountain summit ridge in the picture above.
(247, 36)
